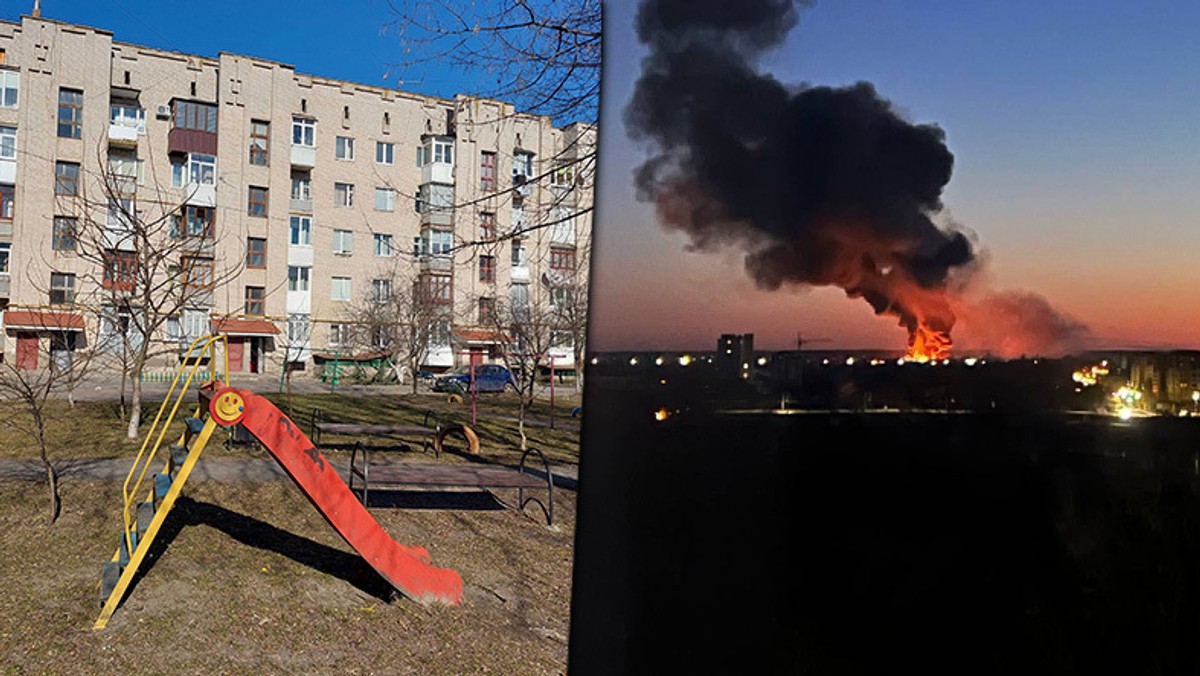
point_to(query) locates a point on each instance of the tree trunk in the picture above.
(135, 408)
(521, 420)
(51, 473)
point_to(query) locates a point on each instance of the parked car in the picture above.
(488, 378)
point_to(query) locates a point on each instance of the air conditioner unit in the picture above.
(163, 112)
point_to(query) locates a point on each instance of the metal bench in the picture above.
(458, 475)
(431, 435)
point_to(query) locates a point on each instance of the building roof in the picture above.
(43, 321)
(232, 326)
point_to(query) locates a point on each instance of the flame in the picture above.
(927, 344)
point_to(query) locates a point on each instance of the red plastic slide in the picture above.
(406, 568)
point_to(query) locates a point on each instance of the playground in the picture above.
(244, 575)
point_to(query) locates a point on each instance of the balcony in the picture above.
(519, 273)
(304, 156)
(301, 206)
(437, 172)
(183, 141)
(437, 217)
(436, 263)
(6, 229)
(5, 284)
(125, 124)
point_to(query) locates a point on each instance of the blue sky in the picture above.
(1076, 133)
(343, 39)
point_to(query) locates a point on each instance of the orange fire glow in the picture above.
(926, 344)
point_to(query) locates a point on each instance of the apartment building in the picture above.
(303, 198)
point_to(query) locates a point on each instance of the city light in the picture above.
(970, 361)
(633, 361)
(662, 414)
(685, 360)
(658, 361)
(849, 361)
(1125, 413)
(762, 361)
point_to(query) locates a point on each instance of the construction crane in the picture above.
(801, 341)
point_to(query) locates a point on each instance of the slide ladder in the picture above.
(142, 519)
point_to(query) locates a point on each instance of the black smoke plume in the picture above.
(818, 185)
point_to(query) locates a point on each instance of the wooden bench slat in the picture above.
(355, 428)
(414, 474)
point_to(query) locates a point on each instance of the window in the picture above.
(380, 337)
(66, 178)
(256, 203)
(343, 242)
(344, 148)
(8, 143)
(563, 177)
(196, 116)
(255, 301)
(256, 252)
(385, 153)
(436, 150)
(343, 194)
(197, 272)
(518, 254)
(298, 277)
(385, 199)
(65, 229)
(202, 170)
(128, 115)
(522, 166)
(120, 268)
(383, 245)
(487, 171)
(338, 335)
(487, 269)
(434, 289)
(301, 186)
(561, 298)
(10, 85)
(487, 310)
(301, 230)
(340, 289)
(298, 327)
(124, 169)
(62, 288)
(195, 323)
(8, 201)
(178, 172)
(435, 242)
(304, 132)
(487, 225)
(519, 297)
(382, 290)
(259, 134)
(70, 113)
(5, 257)
(198, 221)
(562, 260)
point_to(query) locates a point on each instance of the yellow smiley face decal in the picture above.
(227, 407)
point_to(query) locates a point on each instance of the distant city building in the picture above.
(735, 355)
(316, 190)
(1167, 379)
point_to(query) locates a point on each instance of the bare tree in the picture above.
(544, 56)
(48, 373)
(401, 315)
(149, 262)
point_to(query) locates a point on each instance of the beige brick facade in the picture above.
(352, 206)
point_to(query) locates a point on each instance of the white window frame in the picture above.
(337, 335)
(10, 80)
(384, 247)
(302, 188)
(8, 143)
(339, 288)
(343, 148)
(438, 242)
(301, 279)
(299, 328)
(5, 257)
(381, 290)
(197, 163)
(300, 230)
(343, 242)
(305, 130)
(132, 117)
(385, 153)
(343, 194)
(388, 197)
(178, 173)
(194, 323)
